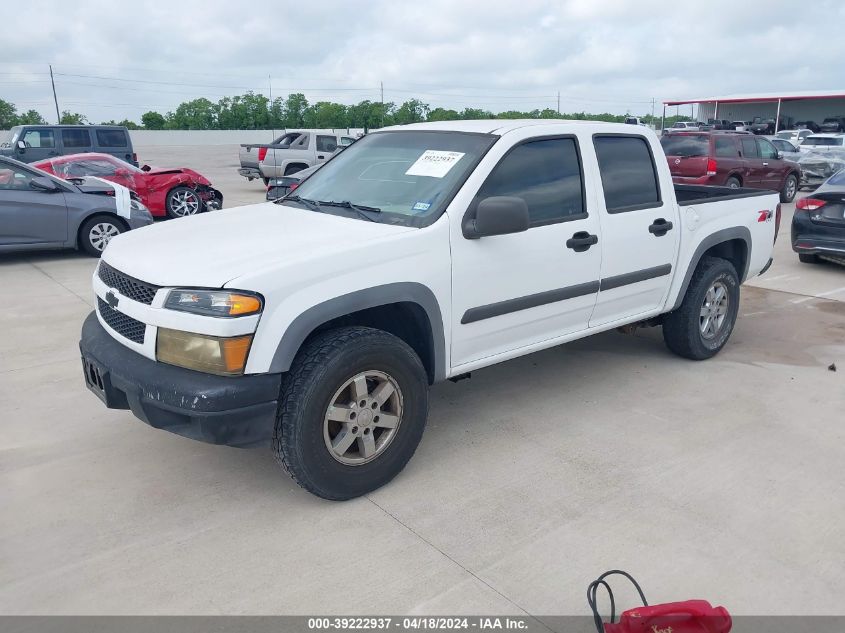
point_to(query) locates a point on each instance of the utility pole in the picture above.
(381, 85)
(558, 101)
(652, 110)
(270, 111)
(55, 98)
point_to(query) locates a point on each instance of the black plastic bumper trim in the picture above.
(236, 411)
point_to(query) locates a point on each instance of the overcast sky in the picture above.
(120, 59)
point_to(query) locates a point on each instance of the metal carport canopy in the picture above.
(763, 97)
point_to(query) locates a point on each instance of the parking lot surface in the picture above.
(719, 480)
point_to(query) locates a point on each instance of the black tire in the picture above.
(266, 181)
(808, 258)
(173, 206)
(785, 195)
(320, 369)
(682, 328)
(733, 182)
(108, 226)
(292, 169)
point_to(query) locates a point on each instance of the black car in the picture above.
(818, 225)
(280, 187)
(833, 124)
(807, 125)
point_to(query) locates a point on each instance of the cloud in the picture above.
(116, 60)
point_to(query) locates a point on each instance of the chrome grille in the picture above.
(122, 324)
(125, 285)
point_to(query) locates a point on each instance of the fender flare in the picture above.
(401, 292)
(724, 235)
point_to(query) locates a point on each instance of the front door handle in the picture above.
(581, 241)
(765, 164)
(660, 227)
(320, 156)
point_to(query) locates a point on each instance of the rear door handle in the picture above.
(660, 227)
(581, 241)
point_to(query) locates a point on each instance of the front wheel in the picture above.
(182, 202)
(790, 188)
(352, 411)
(704, 322)
(96, 233)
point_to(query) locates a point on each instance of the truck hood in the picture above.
(211, 249)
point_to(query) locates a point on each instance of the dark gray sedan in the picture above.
(40, 211)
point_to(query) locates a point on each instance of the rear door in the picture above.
(40, 143)
(76, 140)
(28, 216)
(752, 165)
(726, 150)
(639, 230)
(513, 291)
(771, 166)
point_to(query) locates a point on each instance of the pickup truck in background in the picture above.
(292, 151)
(419, 254)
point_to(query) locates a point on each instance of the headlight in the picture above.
(210, 354)
(219, 303)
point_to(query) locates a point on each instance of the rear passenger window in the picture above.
(628, 174)
(76, 138)
(749, 147)
(726, 147)
(546, 174)
(111, 138)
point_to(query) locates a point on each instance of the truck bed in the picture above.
(691, 194)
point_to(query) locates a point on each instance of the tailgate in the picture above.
(249, 156)
(687, 166)
(686, 154)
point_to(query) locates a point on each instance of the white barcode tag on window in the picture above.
(434, 163)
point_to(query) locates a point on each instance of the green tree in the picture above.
(72, 118)
(198, 114)
(325, 114)
(476, 113)
(31, 117)
(8, 115)
(294, 110)
(412, 111)
(153, 120)
(441, 114)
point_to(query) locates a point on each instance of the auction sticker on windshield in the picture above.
(434, 163)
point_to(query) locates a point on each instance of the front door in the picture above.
(27, 215)
(771, 167)
(513, 291)
(326, 146)
(639, 230)
(39, 143)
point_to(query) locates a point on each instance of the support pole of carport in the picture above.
(663, 119)
(716, 112)
(777, 118)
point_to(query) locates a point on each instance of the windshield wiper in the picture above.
(311, 204)
(360, 209)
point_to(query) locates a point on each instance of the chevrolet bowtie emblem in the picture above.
(112, 299)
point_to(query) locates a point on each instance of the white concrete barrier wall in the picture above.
(146, 138)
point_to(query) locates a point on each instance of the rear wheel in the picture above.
(808, 258)
(352, 411)
(733, 183)
(790, 188)
(182, 201)
(704, 322)
(96, 233)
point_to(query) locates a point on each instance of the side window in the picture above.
(546, 174)
(111, 138)
(726, 147)
(39, 138)
(628, 174)
(767, 150)
(301, 142)
(326, 143)
(13, 179)
(749, 147)
(76, 138)
(345, 140)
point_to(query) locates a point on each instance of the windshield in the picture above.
(12, 137)
(409, 176)
(822, 140)
(786, 135)
(683, 145)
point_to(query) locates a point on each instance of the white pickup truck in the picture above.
(317, 323)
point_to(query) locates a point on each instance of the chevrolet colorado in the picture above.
(316, 324)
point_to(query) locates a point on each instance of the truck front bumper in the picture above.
(236, 411)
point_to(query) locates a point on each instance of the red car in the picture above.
(730, 160)
(165, 192)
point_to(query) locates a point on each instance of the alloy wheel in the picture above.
(101, 233)
(185, 203)
(714, 310)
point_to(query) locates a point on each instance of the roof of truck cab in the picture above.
(494, 126)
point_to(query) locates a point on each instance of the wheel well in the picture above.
(737, 177)
(405, 320)
(735, 251)
(300, 165)
(111, 216)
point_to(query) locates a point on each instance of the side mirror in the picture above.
(779, 155)
(44, 184)
(21, 146)
(497, 215)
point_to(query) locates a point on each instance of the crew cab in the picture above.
(730, 159)
(290, 153)
(419, 254)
